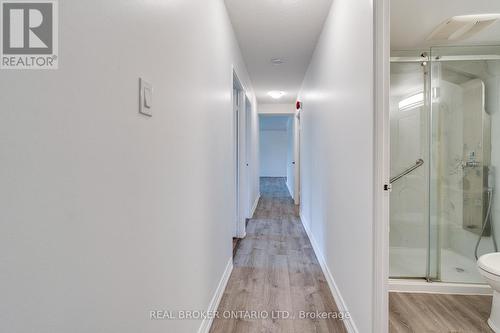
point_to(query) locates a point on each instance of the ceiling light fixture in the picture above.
(277, 61)
(276, 94)
(412, 102)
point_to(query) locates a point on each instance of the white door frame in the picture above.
(296, 142)
(381, 55)
(241, 131)
(246, 141)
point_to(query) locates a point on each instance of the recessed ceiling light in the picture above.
(276, 94)
(277, 61)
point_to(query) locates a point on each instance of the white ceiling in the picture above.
(274, 123)
(412, 21)
(287, 29)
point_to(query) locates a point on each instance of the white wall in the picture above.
(100, 206)
(273, 153)
(337, 153)
(276, 108)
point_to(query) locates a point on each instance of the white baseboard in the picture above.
(341, 305)
(289, 189)
(422, 286)
(206, 324)
(255, 204)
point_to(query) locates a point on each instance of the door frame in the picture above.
(241, 159)
(246, 159)
(381, 56)
(296, 143)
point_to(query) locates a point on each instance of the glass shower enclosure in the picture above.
(445, 138)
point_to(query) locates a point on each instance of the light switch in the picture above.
(146, 98)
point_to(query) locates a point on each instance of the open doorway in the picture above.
(279, 152)
(439, 126)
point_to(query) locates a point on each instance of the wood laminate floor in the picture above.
(434, 313)
(275, 269)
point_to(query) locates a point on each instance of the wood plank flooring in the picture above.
(275, 269)
(429, 313)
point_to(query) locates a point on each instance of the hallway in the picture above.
(275, 269)
(249, 166)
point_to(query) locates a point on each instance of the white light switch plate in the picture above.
(145, 98)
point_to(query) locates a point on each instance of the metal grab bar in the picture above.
(418, 164)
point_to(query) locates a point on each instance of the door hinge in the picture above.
(388, 187)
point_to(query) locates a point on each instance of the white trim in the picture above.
(234, 166)
(341, 305)
(206, 324)
(248, 163)
(492, 325)
(240, 169)
(296, 144)
(381, 84)
(289, 189)
(255, 204)
(422, 286)
(265, 114)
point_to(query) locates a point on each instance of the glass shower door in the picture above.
(409, 227)
(464, 91)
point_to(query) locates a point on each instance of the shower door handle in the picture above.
(417, 164)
